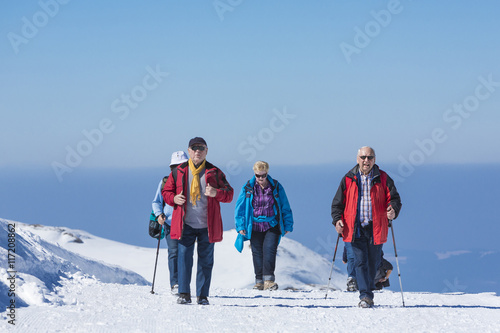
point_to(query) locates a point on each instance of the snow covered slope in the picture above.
(41, 265)
(87, 305)
(76, 282)
(52, 253)
(297, 266)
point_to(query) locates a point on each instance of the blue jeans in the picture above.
(264, 247)
(366, 261)
(351, 271)
(172, 246)
(205, 260)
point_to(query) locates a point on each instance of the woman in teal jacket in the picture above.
(262, 215)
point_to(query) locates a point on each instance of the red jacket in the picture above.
(179, 182)
(345, 204)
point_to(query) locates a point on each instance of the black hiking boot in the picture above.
(352, 285)
(365, 303)
(184, 298)
(203, 300)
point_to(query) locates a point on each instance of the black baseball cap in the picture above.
(197, 140)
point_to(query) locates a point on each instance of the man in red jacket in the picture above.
(195, 189)
(364, 203)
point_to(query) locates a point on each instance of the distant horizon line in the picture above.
(103, 168)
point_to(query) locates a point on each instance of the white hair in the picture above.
(368, 147)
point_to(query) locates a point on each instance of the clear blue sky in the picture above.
(86, 85)
(290, 82)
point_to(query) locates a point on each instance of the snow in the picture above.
(70, 280)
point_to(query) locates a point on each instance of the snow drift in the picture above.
(40, 266)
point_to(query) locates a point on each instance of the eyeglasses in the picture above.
(261, 176)
(367, 157)
(200, 148)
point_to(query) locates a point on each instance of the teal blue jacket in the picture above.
(243, 212)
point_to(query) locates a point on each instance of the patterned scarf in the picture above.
(194, 193)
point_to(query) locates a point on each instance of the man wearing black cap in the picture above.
(195, 191)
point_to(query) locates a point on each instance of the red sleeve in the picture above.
(224, 191)
(168, 191)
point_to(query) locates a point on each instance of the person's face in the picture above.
(261, 177)
(366, 160)
(198, 153)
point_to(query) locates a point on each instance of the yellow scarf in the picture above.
(195, 194)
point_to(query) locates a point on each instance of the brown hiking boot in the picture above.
(270, 285)
(259, 286)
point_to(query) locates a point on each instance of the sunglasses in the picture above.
(367, 157)
(200, 148)
(261, 176)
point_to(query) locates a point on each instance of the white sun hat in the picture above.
(178, 157)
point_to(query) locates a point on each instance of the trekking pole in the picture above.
(397, 261)
(331, 271)
(156, 262)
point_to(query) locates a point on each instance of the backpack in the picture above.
(155, 228)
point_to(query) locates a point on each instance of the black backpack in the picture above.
(155, 228)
